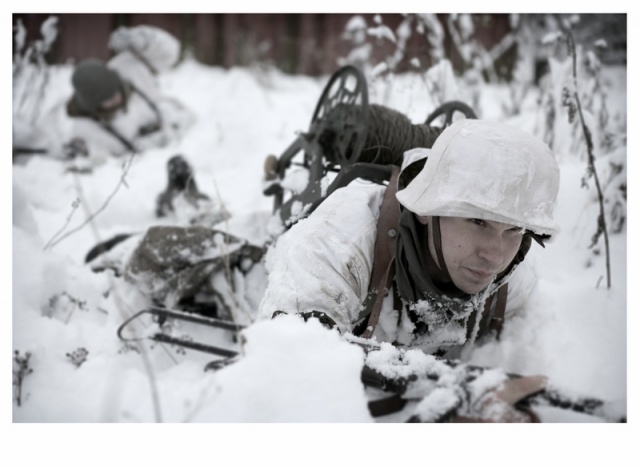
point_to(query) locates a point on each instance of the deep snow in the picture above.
(574, 330)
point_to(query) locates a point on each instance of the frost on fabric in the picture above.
(447, 321)
(514, 189)
(440, 386)
(474, 399)
(437, 403)
(394, 363)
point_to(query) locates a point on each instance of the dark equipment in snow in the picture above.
(180, 180)
(458, 378)
(348, 133)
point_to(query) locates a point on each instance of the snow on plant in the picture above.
(64, 303)
(78, 356)
(472, 52)
(573, 101)
(30, 70)
(356, 31)
(525, 36)
(61, 234)
(438, 77)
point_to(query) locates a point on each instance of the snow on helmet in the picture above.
(487, 170)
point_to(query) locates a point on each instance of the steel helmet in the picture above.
(94, 83)
(487, 170)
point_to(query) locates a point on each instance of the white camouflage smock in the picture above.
(324, 263)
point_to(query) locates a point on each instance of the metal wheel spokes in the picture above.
(339, 123)
(448, 109)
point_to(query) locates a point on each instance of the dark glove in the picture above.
(324, 319)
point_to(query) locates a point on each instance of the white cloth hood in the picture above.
(487, 170)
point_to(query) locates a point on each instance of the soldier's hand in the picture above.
(499, 405)
(324, 319)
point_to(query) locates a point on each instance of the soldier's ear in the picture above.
(424, 220)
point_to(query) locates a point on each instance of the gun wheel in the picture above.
(448, 109)
(339, 123)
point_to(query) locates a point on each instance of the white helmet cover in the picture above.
(487, 170)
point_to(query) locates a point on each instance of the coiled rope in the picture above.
(390, 134)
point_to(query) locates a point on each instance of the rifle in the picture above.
(448, 390)
(421, 387)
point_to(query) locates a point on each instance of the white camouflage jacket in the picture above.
(324, 263)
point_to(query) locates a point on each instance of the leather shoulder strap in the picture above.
(384, 254)
(493, 313)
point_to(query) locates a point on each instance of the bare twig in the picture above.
(123, 308)
(226, 259)
(228, 272)
(53, 242)
(74, 206)
(591, 170)
(227, 265)
(21, 369)
(30, 70)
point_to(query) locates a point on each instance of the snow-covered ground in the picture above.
(574, 330)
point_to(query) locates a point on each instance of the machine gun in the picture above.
(349, 135)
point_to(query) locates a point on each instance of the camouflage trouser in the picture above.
(172, 263)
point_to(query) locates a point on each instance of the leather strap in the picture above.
(497, 319)
(493, 313)
(111, 130)
(384, 253)
(143, 59)
(437, 243)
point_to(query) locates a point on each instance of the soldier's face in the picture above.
(475, 251)
(113, 102)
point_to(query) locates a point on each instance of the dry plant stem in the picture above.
(153, 385)
(227, 265)
(602, 226)
(120, 304)
(74, 206)
(53, 242)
